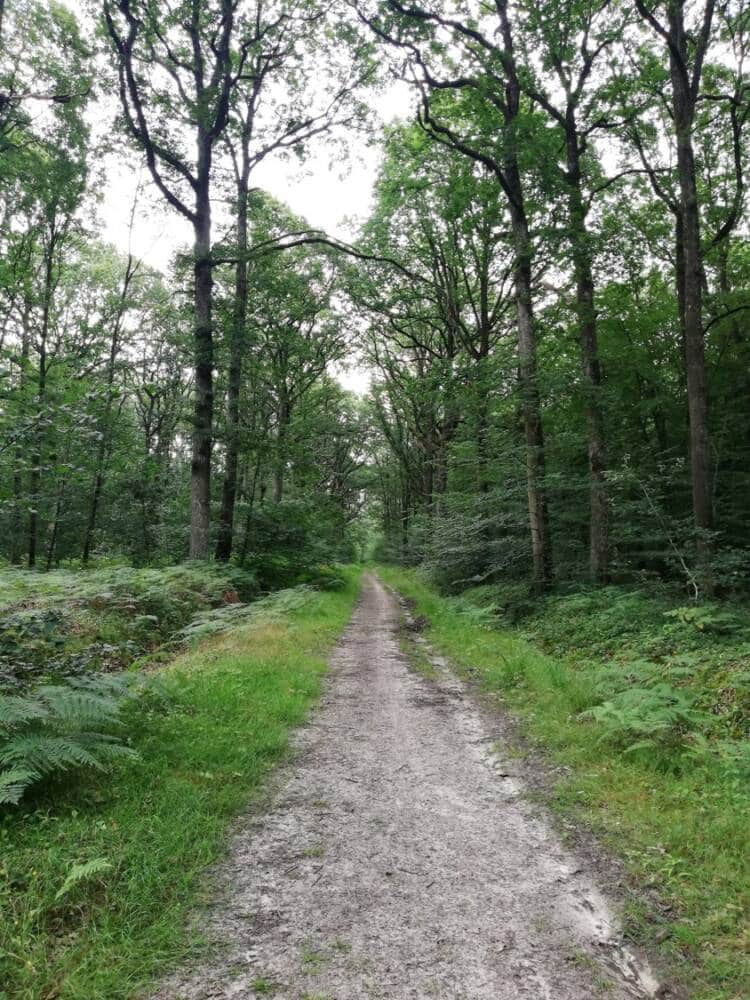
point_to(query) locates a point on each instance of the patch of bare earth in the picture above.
(399, 860)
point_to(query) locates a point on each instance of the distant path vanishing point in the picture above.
(398, 858)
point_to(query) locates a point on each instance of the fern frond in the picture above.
(79, 708)
(47, 754)
(14, 782)
(81, 872)
(16, 710)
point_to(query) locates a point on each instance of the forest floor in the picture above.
(400, 858)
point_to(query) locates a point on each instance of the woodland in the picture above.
(550, 291)
(549, 295)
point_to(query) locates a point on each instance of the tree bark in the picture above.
(590, 367)
(103, 448)
(541, 547)
(200, 483)
(541, 543)
(695, 364)
(35, 483)
(686, 55)
(234, 380)
(16, 549)
(279, 471)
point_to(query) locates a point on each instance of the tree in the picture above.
(282, 103)
(484, 122)
(201, 51)
(685, 36)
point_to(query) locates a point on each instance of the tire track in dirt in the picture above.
(398, 859)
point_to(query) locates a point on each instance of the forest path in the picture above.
(398, 859)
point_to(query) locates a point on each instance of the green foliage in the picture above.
(82, 873)
(71, 927)
(644, 718)
(230, 616)
(70, 623)
(60, 728)
(653, 750)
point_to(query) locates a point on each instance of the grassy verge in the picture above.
(681, 822)
(151, 828)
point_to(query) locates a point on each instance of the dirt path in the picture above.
(399, 861)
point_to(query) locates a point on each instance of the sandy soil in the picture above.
(398, 859)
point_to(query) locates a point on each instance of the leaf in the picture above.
(80, 873)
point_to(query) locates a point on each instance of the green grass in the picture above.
(156, 824)
(682, 825)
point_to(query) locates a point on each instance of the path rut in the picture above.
(398, 859)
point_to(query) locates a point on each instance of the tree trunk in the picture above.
(234, 381)
(200, 485)
(541, 544)
(695, 364)
(103, 448)
(541, 548)
(250, 509)
(35, 483)
(590, 368)
(52, 547)
(281, 448)
(16, 548)
(685, 80)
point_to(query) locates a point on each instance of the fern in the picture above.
(647, 717)
(270, 608)
(60, 728)
(82, 872)
(14, 782)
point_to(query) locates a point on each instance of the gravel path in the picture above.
(398, 859)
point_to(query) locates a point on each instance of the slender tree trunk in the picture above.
(16, 548)
(234, 381)
(250, 511)
(541, 548)
(96, 494)
(685, 75)
(679, 277)
(104, 439)
(200, 485)
(428, 468)
(35, 483)
(695, 364)
(541, 543)
(281, 450)
(590, 368)
(52, 547)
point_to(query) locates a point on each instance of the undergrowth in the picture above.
(97, 877)
(74, 623)
(645, 702)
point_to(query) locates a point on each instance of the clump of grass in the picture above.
(151, 828)
(671, 798)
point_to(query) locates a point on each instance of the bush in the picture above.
(656, 717)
